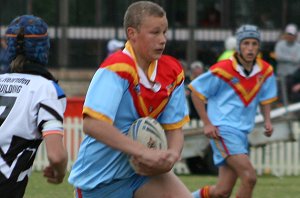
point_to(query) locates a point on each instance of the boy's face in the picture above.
(249, 49)
(150, 38)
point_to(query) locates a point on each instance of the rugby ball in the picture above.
(149, 132)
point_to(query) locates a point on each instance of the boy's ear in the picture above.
(131, 33)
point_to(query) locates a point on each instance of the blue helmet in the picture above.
(246, 31)
(27, 35)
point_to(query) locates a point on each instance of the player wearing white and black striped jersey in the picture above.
(31, 109)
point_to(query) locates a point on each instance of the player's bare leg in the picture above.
(243, 168)
(165, 185)
(226, 181)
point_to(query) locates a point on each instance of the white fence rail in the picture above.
(280, 158)
(180, 34)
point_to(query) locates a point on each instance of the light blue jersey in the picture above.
(111, 97)
(232, 99)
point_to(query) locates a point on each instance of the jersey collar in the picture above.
(151, 74)
(257, 67)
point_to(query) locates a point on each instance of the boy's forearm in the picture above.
(266, 111)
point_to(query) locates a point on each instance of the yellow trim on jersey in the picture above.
(234, 63)
(199, 95)
(152, 65)
(246, 96)
(159, 108)
(238, 85)
(223, 73)
(260, 64)
(143, 106)
(179, 78)
(269, 101)
(176, 125)
(123, 67)
(94, 114)
(151, 69)
(130, 50)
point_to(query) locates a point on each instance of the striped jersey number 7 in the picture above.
(6, 104)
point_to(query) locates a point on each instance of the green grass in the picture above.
(266, 187)
(38, 187)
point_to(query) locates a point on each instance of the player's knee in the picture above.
(250, 180)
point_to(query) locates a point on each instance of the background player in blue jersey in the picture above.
(31, 108)
(136, 82)
(233, 89)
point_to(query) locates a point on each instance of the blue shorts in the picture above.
(232, 142)
(124, 188)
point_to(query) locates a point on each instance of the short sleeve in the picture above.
(51, 101)
(105, 93)
(268, 92)
(205, 85)
(176, 110)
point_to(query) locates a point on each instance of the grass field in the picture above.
(267, 186)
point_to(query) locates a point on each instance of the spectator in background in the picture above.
(287, 55)
(287, 51)
(4, 62)
(230, 45)
(114, 45)
(197, 68)
(293, 86)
